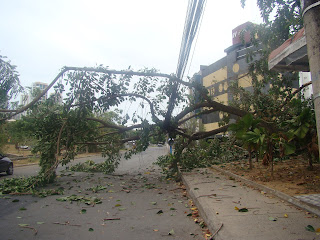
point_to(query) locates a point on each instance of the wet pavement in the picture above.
(133, 203)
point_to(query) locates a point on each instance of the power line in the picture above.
(195, 44)
(193, 16)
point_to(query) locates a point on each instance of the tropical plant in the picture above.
(247, 130)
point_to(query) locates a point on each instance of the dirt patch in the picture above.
(29, 159)
(290, 176)
(10, 149)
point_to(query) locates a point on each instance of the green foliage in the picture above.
(84, 199)
(91, 166)
(3, 137)
(9, 82)
(202, 154)
(20, 132)
(31, 185)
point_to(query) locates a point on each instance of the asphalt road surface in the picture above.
(133, 203)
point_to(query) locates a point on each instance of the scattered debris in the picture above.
(67, 223)
(215, 233)
(32, 228)
(86, 200)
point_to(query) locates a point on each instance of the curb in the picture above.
(212, 226)
(298, 203)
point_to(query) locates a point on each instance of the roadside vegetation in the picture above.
(272, 124)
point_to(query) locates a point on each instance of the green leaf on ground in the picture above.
(83, 211)
(84, 199)
(91, 230)
(121, 209)
(172, 209)
(273, 219)
(22, 209)
(310, 228)
(159, 212)
(243, 210)
(202, 224)
(15, 200)
(196, 188)
(23, 224)
(39, 223)
(154, 203)
(171, 232)
(118, 205)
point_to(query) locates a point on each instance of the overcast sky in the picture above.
(41, 36)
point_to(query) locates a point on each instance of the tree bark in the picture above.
(311, 19)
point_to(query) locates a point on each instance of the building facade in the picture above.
(218, 76)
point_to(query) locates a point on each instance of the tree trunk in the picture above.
(250, 158)
(310, 161)
(311, 19)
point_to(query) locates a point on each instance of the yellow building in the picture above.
(218, 76)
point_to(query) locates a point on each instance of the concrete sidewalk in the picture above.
(219, 198)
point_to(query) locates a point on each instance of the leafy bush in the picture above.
(202, 154)
(30, 185)
(91, 166)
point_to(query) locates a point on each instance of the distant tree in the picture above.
(9, 82)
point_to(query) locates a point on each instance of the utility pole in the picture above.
(311, 21)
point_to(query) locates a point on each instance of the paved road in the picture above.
(138, 163)
(136, 204)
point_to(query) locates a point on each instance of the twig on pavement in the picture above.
(215, 233)
(35, 230)
(67, 223)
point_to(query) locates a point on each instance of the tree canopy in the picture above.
(9, 82)
(156, 104)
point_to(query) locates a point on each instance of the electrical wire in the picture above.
(193, 16)
(195, 44)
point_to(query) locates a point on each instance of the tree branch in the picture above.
(196, 115)
(66, 69)
(294, 93)
(154, 117)
(109, 125)
(104, 143)
(201, 135)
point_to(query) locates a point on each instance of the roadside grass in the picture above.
(26, 161)
(11, 149)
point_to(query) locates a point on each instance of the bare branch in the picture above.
(191, 109)
(294, 93)
(201, 135)
(109, 125)
(196, 115)
(154, 117)
(65, 69)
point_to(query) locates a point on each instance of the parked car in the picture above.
(24, 147)
(6, 165)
